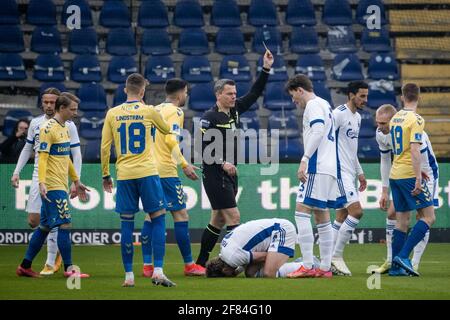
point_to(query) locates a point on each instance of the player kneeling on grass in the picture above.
(54, 168)
(264, 244)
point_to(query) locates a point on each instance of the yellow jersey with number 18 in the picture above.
(132, 126)
(406, 127)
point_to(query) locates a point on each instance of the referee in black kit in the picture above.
(220, 178)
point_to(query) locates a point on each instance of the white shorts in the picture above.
(433, 187)
(318, 192)
(34, 201)
(283, 240)
(346, 191)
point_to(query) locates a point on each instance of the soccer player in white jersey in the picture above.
(429, 169)
(348, 207)
(34, 202)
(317, 174)
(258, 246)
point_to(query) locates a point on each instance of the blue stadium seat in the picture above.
(300, 12)
(202, 97)
(9, 12)
(337, 13)
(341, 39)
(159, 69)
(153, 14)
(278, 72)
(290, 149)
(321, 90)
(92, 96)
(120, 68)
(12, 67)
(304, 39)
(119, 95)
(361, 11)
(86, 68)
(11, 118)
(86, 14)
(41, 12)
(230, 41)
(91, 124)
(188, 14)
(115, 14)
(156, 41)
(368, 149)
(121, 42)
(235, 67)
(196, 69)
(91, 152)
(83, 41)
(383, 66)
(378, 97)
(346, 67)
(368, 126)
(46, 39)
(44, 86)
(262, 12)
(249, 120)
(376, 40)
(272, 38)
(312, 66)
(242, 88)
(286, 122)
(225, 13)
(193, 41)
(49, 67)
(11, 38)
(276, 98)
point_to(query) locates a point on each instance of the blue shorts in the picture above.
(148, 189)
(403, 200)
(174, 194)
(56, 212)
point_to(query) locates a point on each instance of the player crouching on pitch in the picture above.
(260, 247)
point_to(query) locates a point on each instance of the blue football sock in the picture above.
(398, 240)
(159, 240)
(417, 234)
(36, 242)
(146, 241)
(126, 244)
(183, 240)
(65, 247)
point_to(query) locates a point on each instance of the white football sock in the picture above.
(52, 247)
(390, 226)
(344, 236)
(158, 271)
(287, 268)
(129, 276)
(419, 249)
(336, 226)
(325, 245)
(305, 237)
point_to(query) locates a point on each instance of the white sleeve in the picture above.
(238, 257)
(30, 135)
(385, 168)
(75, 148)
(317, 132)
(359, 169)
(24, 157)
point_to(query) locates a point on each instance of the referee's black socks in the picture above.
(209, 239)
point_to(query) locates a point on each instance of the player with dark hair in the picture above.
(54, 168)
(168, 156)
(34, 203)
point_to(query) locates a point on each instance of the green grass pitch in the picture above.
(104, 265)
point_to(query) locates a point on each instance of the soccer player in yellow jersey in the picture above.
(131, 126)
(409, 192)
(54, 167)
(168, 156)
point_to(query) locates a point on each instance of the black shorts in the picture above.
(220, 188)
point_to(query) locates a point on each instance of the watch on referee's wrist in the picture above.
(106, 177)
(266, 70)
